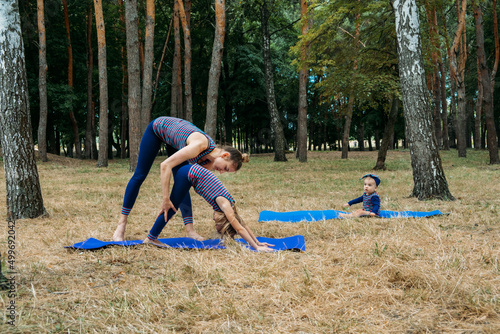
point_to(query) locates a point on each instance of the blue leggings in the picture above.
(177, 196)
(150, 146)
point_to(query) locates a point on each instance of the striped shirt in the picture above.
(175, 131)
(208, 186)
(371, 203)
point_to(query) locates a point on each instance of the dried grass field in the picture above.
(363, 275)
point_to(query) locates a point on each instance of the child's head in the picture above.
(371, 183)
(223, 225)
(230, 160)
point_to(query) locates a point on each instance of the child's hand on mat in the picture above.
(264, 244)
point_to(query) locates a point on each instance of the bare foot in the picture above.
(194, 235)
(154, 242)
(119, 234)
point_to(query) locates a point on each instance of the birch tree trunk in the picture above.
(276, 126)
(486, 82)
(302, 112)
(187, 61)
(24, 195)
(134, 81)
(42, 82)
(147, 81)
(102, 160)
(428, 175)
(215, 68)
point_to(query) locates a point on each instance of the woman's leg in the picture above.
(150, 145)
(180, 189)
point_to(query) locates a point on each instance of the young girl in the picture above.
(185, 144)
(207, 185)
(370, 199)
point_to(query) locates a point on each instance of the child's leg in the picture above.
(180, 189)
(150, 145)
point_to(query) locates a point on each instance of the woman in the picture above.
(185, 144)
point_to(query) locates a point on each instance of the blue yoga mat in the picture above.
(295, 243)
(315, 215)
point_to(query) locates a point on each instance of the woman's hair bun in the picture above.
(245, 157)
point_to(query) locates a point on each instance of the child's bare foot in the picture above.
(119, 234)
(154, 242)
(194, 235)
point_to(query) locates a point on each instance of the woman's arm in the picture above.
(196, 143)
(245, 232)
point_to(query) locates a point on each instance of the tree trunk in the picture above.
(188, 115)
(215, 68)
(276, 126)
(147, 81)
(428, 175)
(102, 160)
(444, 105)
(90, 143)
(479, 108)
(176, 89)
(124, 110)
(388, 134)
(69, 47)
(456, 73)
(24, 195)
(134, 81)
(42, 82)
(489, 114)
(302, 112)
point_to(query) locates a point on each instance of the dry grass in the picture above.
(437, 275)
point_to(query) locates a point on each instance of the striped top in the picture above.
(175, 131)
(371, 203)
(208, 186)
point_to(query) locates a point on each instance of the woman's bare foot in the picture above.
(154, 242)
(194, 235)
(191, 233)
(119, 234)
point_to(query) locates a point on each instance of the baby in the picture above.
(370, 199)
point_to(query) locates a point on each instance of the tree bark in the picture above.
(302, 112)
(188, 115)
(24, 195)
(69, 47)
(102, 160)
(147, 75)
(276, 126)
(176, 89)
(388, 134)
(90, 143)
(489, 114)
(42, 82)
(215, 68)
(428, 175)
(134, 81)
(479, 108)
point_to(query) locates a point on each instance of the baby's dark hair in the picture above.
(236, 157)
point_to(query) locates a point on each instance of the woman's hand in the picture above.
(165, 206)
(264, 249)
(264, 244)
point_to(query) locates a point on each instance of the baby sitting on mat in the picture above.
(370, 199)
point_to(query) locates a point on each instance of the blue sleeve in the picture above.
(356, 201)
(376, 205)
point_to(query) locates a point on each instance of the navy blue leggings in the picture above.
(177, 195)
(150, 146)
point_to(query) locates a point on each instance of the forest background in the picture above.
(352, 79)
